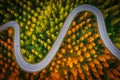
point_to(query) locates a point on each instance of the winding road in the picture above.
(42, 64)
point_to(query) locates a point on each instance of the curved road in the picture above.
(42, 64)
